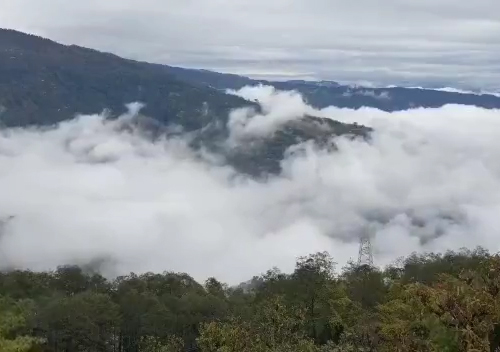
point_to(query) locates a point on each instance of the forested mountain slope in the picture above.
(43, 82)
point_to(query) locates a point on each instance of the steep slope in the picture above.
(43, 82)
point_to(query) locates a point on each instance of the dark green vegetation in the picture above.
(43, 83)
(433, 302)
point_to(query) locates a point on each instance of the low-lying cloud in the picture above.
(429, 179)
(278, 107)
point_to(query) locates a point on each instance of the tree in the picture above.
(80, 322)
(170, 344)
(274, 327)
(469, 304)
(454, 309)
(364, 285)
(143, 315)
(13, 317)
(313, 287)
(215, 288)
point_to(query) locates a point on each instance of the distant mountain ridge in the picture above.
(321, 94)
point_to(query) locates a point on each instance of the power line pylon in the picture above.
(365, 256)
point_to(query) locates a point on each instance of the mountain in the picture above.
(328, 93)
(43, 82)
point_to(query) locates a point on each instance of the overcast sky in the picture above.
(447, 42)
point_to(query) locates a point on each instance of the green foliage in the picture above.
(154, 344)
(84, 319)
(454, 306)
(274, 327)
(13, 316)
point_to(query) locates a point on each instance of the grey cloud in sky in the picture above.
(425, 42)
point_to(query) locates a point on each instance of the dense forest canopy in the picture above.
(426, 302)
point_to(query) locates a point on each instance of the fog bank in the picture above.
(87, 189)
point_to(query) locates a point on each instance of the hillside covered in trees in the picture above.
(448, 302)
(43, 82)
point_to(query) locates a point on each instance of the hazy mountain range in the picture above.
(43, 82)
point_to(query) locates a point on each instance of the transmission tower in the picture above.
(365, 256)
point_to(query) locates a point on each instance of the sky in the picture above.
(89, 190)
(441, 43)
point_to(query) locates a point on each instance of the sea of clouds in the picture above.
(429, 180)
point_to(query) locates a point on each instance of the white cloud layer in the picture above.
(278, 107)
(444, 42)
(429, 180)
